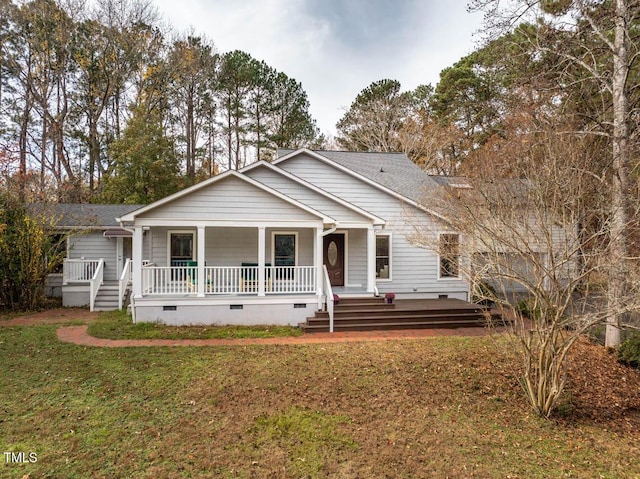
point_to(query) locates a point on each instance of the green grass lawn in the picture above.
(439, 407)
(118, 325)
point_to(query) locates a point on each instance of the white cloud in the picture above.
(335, 48)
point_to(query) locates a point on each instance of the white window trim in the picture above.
(449, 278)
(273, 245)
(390, 236)
(194, 251)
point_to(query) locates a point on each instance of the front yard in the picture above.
(437, 407)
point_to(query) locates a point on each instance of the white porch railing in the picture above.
(228, 280)
(95, 283)
(123, 282)
(79, 270)
(291, 279)
(328, 291)
(168, 279)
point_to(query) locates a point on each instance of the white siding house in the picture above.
(273, 242)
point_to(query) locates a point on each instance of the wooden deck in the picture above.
(365, 314)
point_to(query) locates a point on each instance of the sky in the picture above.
(335, 48)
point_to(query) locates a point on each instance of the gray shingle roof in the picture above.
(99, 216)
(391, 170)
(460, 181)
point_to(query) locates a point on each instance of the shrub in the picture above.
(27, 254)
(629, 351)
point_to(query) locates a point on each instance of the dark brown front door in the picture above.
(334, 258)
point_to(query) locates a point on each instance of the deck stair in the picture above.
(107, 298)
(367, 314)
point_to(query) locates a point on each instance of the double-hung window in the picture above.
(383, 257)
(449, 255)
(284, 254)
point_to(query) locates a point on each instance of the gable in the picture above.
(229, 198)
(323, 201)
(340, 183)
(393, 171)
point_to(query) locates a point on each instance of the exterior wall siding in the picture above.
(94, 246)
(356, 257)
(230, 199)
(414, 269)
(305, 195)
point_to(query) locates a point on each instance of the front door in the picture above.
(334, 258)
(125, 248)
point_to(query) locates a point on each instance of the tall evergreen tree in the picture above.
(145, 168)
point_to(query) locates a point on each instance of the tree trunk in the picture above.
(22, 142)
(618, 269)
(190, 127)
(229, 133)
(94, 150)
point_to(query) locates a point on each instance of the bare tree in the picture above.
(534, 246)
(595, 41)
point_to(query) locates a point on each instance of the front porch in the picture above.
(245, 274)
(282, 259)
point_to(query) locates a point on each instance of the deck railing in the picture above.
(228, 280)
(79, 270)
(291, 279)
(167, 279)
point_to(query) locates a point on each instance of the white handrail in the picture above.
(95, 283)
(328, 292)
(78, 270)
(123, 282)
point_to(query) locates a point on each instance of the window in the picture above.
(284, 249)
(383, 256)
(181, 248)
(449, 255)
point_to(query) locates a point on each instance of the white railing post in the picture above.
(261, 260)
(328, 296)
(137, 262)
(318, 241)
(123, 282)
(95, 283)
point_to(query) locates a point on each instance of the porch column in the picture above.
(137, 262)
(200, 258)
(317, 262)
(371, 260)
(261, 260)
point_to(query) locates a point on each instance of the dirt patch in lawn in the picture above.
(51, 316)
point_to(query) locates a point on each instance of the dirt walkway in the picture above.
(78, 335)
(51, 316)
